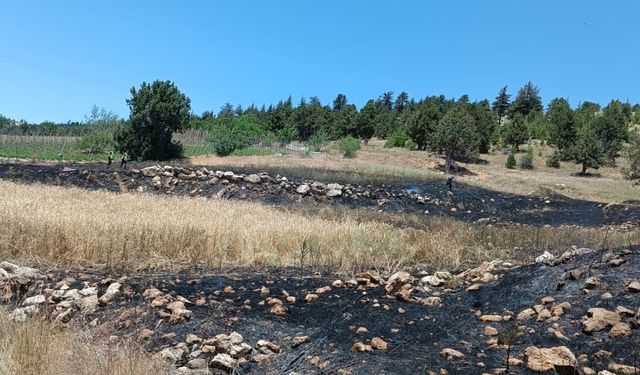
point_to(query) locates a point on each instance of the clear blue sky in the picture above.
(61, 57)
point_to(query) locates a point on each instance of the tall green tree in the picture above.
(562, 120)
(401, 102)
(586, 113)
(158, 110)
(527, 101)
(515, 131)
(455, 137)
(486, 123)
(500, 105)
(612, 128)
(422, 124)
(339, 102)
(365, 123)
(386, 99)
(588, 150)
(632, 172)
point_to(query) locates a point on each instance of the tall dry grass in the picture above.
(46, 226)
(38, 347)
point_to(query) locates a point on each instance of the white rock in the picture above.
(544, 257)
(303, 189)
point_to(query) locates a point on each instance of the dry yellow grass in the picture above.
(37, 347)
(47, 226)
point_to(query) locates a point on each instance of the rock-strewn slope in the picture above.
(575, 314)
(429, 198)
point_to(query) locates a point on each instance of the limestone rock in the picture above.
(599, 320)
(559, 359)
(223, 362)
(303, 189)
(299, 340)
(379, 344)
(397, 281)
(112, 291)
(253, 178)
(451, 354)
(361, 347)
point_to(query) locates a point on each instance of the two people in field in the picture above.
(123, 161)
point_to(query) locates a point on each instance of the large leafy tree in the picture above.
(562, 120)
(455, 137)
(588, 150)
(157, 111)
(500, 105)
(515, 131)
(528, 100)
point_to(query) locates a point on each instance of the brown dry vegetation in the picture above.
(38, 347)
(46, 226)
(607, 184)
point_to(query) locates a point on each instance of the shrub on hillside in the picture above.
(553, 161)
(410, 144)
(527, 160)
(633, 154)
(318, 140)
(511, 161)
(97, 142)
(398, 138)
(349, 146)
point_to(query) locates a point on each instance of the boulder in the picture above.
(544, 257)
(634, 287)
(620, 330)
(397, 281)
(451, 354)
(558, 359)
(599, 320)
(303, 189)
(112, 291)
(152, 171)
(334, 193)
(253, 178)
(623, 369)
(379, 344)
(223, 362)
(299, 340)
(35, 300)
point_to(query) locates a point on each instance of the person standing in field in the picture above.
(110, 158)
(124, 160)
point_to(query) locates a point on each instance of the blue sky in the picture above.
(61, 57)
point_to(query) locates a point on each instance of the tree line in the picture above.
(457, 129)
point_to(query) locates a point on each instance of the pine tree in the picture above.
(501, 105)
(588, 151)
(515, 132)
(562, 119)
(455, 137)
(528, 100)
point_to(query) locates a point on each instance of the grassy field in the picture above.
(46, 226)
(374, 162)
(38, 347)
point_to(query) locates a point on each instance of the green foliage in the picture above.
(588, 151)
(511, 161)
(410, 145)
(515, 132)
(241, 132)
(501, 105)
(398, 138)
(349, 146)
(318, 140)
(528, 100)
(612, 129)
(97, 142)
(562, 120)
(553, 161)
(456, 136)
(526, 162)
(422, 123)
(366, 121)
(486, 124)
(633, 154)
(157, 111)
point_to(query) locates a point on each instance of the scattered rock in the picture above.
(112, 291)
(299, 340)
(223, 362)
(451, 354)
(559, 359)
(379, 344)
(361, 347)
(599, 320)
(397, 281)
